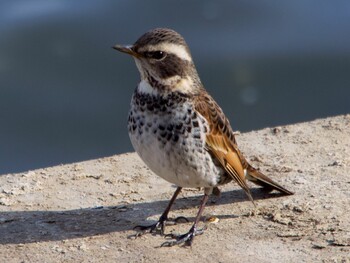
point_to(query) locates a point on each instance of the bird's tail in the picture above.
(259, 178)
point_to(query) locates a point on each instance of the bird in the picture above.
(179, 131)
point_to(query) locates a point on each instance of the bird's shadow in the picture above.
(36, 226)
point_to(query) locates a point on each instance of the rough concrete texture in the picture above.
(85, 212)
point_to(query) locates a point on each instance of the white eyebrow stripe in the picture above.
(178, 50)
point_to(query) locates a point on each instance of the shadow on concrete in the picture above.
(38, 226)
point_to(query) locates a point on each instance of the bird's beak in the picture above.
(127, 50)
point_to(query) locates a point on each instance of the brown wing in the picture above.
(220, 140)
(222, 145)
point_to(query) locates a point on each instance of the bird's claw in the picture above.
(185, 239)
(157, 228)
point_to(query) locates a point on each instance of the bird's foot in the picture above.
(185, 239)
(158, 227)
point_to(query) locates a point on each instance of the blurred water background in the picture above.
(64, 93)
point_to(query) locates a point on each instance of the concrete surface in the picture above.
(85, 212)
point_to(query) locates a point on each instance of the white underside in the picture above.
(171, 161)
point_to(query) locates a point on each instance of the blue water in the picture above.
(64, 93)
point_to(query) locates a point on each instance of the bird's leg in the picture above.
(187, 238)
(159, 226)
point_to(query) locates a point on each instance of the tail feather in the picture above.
(259, 178)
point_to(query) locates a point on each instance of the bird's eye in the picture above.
(158, 55)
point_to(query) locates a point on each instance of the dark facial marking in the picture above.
(171, 66)
(157, 55)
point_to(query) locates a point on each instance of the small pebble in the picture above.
(213, 220)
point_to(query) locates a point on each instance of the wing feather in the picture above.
(220, 141)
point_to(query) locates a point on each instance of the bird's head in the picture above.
(164, 60)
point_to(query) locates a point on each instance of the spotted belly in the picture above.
(172, 144)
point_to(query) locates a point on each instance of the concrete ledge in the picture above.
(84, 212)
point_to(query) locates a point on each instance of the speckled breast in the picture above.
(169, 136)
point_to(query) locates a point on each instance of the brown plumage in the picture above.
(178, 129)
(221, 143)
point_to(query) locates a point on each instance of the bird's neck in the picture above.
(153, 86)
(145, 95)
